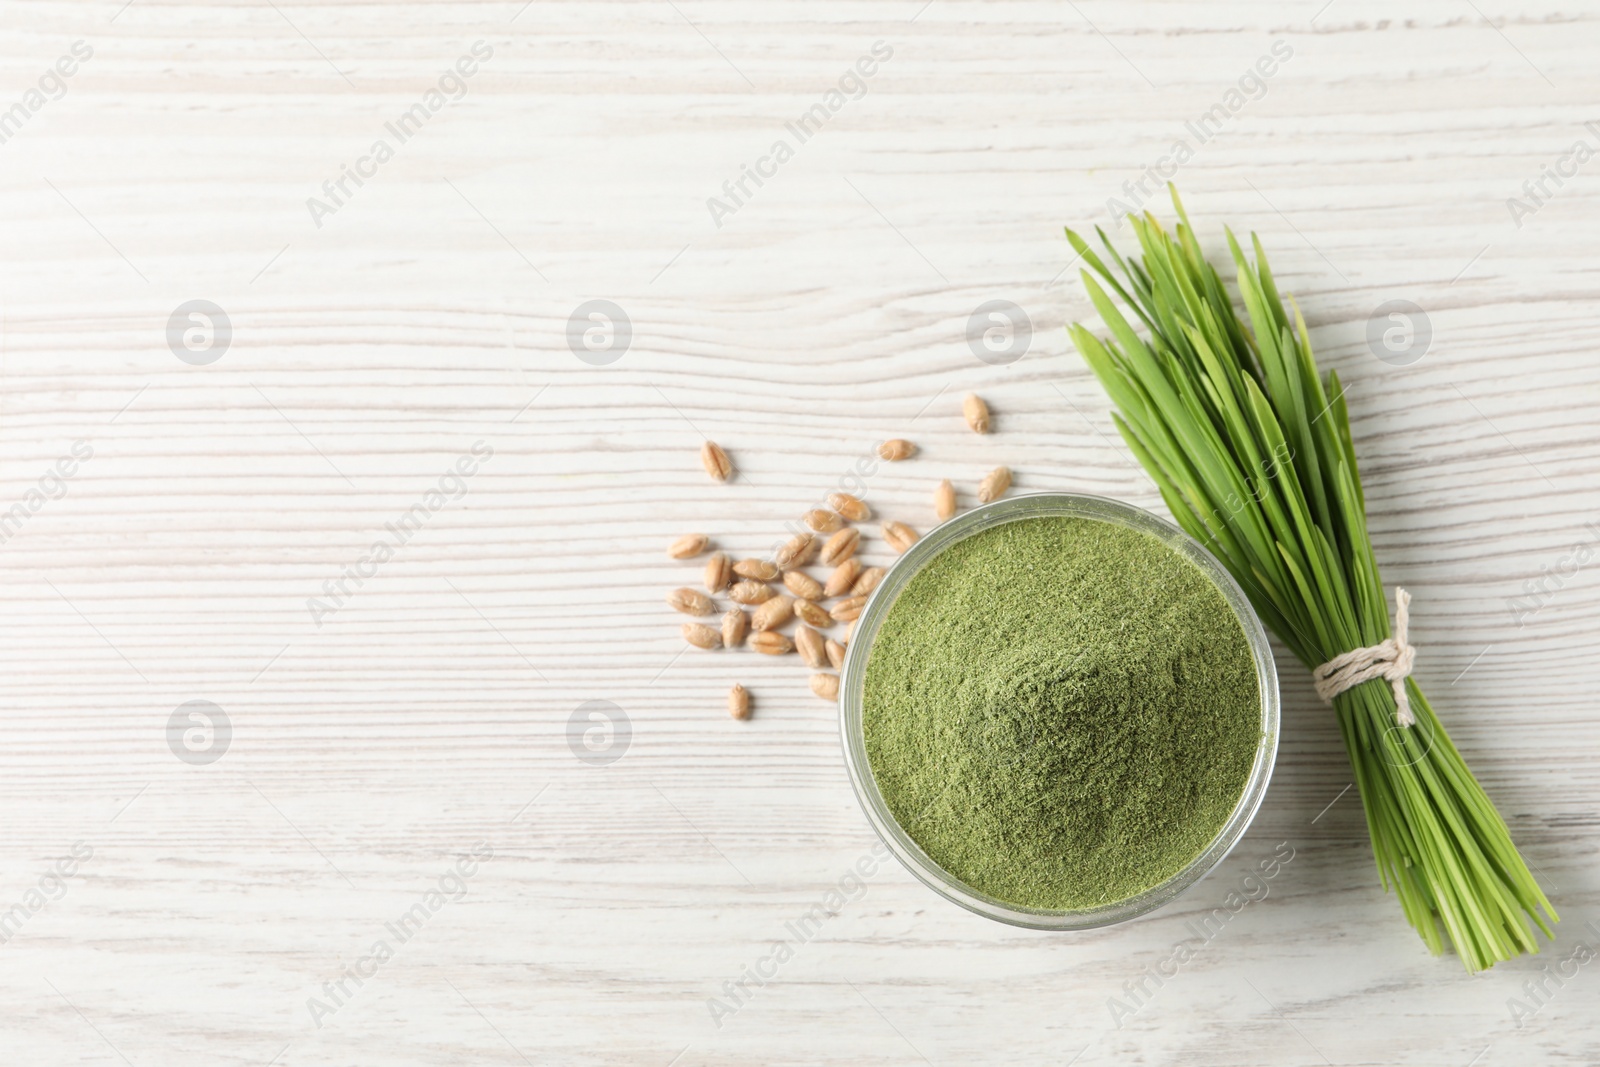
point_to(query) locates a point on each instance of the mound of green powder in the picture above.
(1062, 712)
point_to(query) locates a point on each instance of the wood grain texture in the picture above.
(429, 713)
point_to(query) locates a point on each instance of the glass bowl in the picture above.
(853, 680)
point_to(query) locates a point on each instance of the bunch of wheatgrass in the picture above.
(1251, 450)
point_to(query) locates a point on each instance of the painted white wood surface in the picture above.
(429, 712)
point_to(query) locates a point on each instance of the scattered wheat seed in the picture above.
(771, 643)
(761, 570)
(867, 582)
(812, 614)
(719, 572)
(748, 592)
(849, 609)
(700, 635)
(734, 624)
(691, 602)
(688, 545)
(843, 578)
(811, 646)
(715, 461)
(823, 521)
(977, 413)
(772, 614)
(899, 536)
(803, 585)
(994, 485)
(851, 507)
(796, 552)
(841, 546)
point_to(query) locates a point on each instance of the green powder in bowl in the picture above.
(1062, 712)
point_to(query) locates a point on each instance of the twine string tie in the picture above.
(1390, 659)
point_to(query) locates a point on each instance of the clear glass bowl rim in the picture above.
(852, 680)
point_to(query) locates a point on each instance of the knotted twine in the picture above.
(1390, 659)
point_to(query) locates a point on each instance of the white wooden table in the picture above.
(377, 733)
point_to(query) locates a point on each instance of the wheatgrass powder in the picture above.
(1061, 712)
